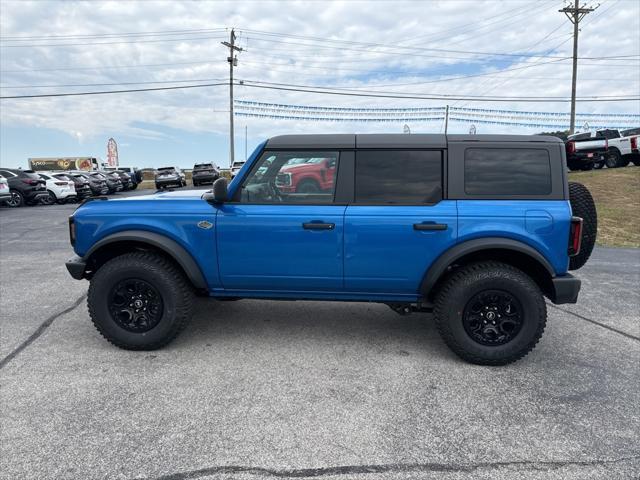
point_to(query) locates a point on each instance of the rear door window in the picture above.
(507, 171)
(387, 177)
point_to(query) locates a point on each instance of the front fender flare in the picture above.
(172, 248)
(458, 251)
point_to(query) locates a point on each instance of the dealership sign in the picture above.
(112, 153)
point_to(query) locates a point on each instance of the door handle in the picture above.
(318, 226)
(430, 226)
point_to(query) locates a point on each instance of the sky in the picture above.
(441, 49)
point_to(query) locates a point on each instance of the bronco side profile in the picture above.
(476, 229)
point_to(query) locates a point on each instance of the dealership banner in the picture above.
(112, 153)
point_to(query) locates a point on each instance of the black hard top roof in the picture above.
(394, 140)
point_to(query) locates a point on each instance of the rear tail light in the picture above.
(634, 143)
(30, 181)
(72, 231)
(571, 147)
(62, 184)
(575, 236)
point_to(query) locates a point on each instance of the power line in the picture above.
(108, 35)
(312, 89)
(84, 44)
(422, 49)
(106, 92)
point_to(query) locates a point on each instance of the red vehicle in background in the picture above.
(307, 175)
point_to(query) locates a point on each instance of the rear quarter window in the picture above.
(386, 177)
(507, 171)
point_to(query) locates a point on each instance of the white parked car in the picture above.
(60, 191)
(5, 194)
(235, 168)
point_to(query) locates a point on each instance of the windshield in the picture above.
(631, 131)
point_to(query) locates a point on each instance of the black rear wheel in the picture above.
(490, 313)
(140, 301)
(614, 159)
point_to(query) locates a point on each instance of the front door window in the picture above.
(291, 178)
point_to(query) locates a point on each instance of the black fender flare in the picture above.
(172, 248)
(439, 267)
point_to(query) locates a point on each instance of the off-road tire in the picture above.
(583, 206)
(461, 286)
(636, 160)
(160, 272)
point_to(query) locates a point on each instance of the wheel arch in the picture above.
(506, 250)
(131, 240)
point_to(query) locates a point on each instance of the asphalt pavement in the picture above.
(264, 389)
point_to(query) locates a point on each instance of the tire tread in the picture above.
(164, 266)
(464, 274)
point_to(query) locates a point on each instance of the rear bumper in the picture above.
(76, 267)
(565, 289)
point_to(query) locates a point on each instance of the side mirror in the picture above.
(219, 192)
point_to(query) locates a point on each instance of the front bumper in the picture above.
(565, 289)
(5, 196)
(76, 267)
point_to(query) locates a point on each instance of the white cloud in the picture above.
(612, 30)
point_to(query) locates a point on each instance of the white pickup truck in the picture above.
(608, 147)
(624, 149)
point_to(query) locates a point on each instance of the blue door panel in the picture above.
(265, 247)
(383, 251)
(543, 225)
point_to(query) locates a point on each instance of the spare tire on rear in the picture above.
(583, 206)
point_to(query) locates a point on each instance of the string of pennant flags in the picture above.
(452, 119)
(246, 104)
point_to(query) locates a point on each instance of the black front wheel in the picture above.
(140, 301)
(490, 313)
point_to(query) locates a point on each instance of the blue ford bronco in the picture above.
(476, 229)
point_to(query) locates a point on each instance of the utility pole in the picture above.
(233, 61)
(575, 14)
(245, 143)
(446, 120)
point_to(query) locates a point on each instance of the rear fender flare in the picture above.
(439, 267)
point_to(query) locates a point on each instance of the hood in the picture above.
(177, 195)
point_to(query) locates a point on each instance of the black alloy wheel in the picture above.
(135, 305)
(492, 317)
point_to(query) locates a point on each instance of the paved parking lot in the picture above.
(261, 389)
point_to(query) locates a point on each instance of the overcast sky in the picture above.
(417, 47)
